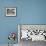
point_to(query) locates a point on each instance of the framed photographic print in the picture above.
(32, 32)
(10, 11)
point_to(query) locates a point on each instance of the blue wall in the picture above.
(33, 12)
(28, 12)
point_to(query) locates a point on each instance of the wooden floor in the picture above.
(30, 43)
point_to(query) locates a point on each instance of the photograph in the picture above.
(10, 11)
(29, 34)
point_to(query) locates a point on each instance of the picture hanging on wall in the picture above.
(10, 11)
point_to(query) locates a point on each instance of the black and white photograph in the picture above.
(30, 34)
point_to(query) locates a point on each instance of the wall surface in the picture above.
(33, 12)
(28, 12)
(8, 24)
